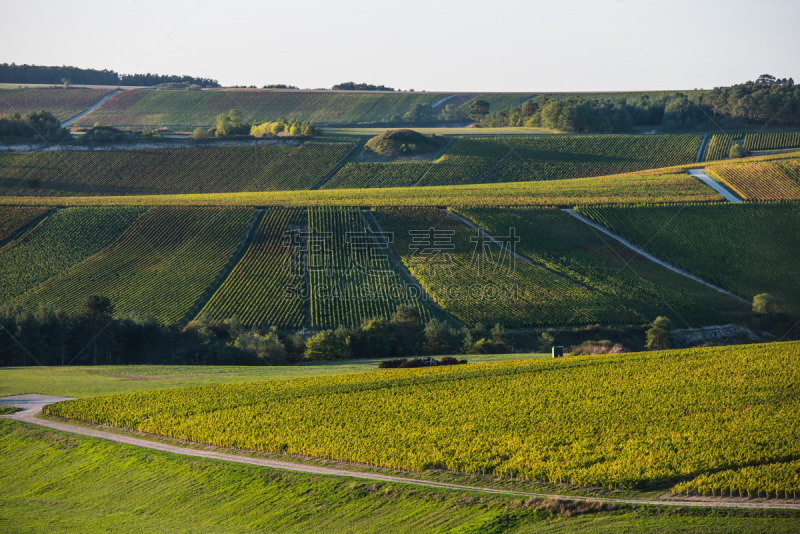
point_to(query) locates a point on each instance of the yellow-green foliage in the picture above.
(629, 188)
(634, 419)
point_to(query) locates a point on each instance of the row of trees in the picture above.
(36, 126)
(12, 73)
(765, 100)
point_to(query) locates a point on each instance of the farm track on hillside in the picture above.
(32, 406)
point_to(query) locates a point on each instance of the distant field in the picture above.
(160, 266)
(745, 248)
(478, 132)
(559, 241)
(645, 188)
(585, 421)
(187, 109)
(355, 175)
(167, 170)
(777, 179)
(63, 239)
(478, 283)
(491, 160)
(63, 103)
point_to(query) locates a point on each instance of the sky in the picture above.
(434, 45)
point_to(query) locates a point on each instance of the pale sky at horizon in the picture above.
(434, 45)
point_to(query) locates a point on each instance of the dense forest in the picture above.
(767, 100)
(11, 73)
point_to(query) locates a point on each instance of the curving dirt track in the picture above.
(32, 405)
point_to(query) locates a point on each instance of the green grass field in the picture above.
(583, 420)
(57, 482)
(745, 248)
(92, 381)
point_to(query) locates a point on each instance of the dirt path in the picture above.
(32, 405)
(90, 108)
(701, 151)
(713, 184)
(647, 255)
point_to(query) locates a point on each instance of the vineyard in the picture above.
(560, 242)
(366, 174)
(771, 140)
(254, 291)
(63, 239)
(15, 218)
(167, 170)
(351, 277)
(746, 248)
(159, 266)
(474, 160)
(477, 282)
(762, 180)
(704, 416)
(60, 102)
(648, 188)
(720, 144)
(188, 109)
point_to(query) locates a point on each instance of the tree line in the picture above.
(12, 73)
(767, 100)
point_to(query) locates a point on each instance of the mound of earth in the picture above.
(394, 143)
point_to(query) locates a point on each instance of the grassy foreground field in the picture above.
(57, 482)
(585, 420)
(93, 381)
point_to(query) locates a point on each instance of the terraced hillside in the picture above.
(475, 281)
(189, 109)
(746, 248)
(559, 241)
(160, 266)
(704, 414)
(63, 239)
(167, 170)
(63, 103)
